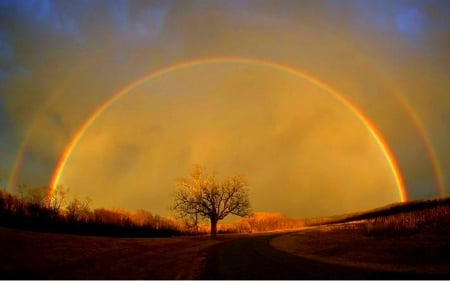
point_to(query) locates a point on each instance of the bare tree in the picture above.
(56, 198)
(22, 191)
(203, 196)
(77, 210)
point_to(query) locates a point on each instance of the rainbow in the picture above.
(249, 61)
(32, 128)
(418, 124)
(419, 127)
(17, 164)
(12, 181)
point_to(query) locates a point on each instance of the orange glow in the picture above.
(419, 126)
(371, 128)
(426, 141)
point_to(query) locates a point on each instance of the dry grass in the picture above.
(34, 255)
(415, 241)
(436, 219)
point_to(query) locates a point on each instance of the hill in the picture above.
(385, 211)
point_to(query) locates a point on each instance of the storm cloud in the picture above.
(304, 153)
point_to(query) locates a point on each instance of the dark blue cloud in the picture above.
(6, 52)
(410, 22)
(4, 122)
(6, 57)
(138, 20)
(53, 16)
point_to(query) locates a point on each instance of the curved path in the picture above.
(253, 258)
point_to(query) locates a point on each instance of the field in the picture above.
(34, 255)
(350, 245)
(412, 243)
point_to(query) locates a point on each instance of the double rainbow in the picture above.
(371, 128)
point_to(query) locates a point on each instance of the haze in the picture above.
(303, 152)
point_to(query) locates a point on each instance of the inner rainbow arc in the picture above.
(418, 125)
(376, 135)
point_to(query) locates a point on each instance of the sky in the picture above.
(286, 102)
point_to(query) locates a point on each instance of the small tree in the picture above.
(77, 210)
(202, 196)
(56, 198)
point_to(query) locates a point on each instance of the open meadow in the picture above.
(403, 245)
(349, 245)
(34, 255)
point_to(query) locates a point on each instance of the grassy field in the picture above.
(35, 255)
(411, 237)
(415, 240)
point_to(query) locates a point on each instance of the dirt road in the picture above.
(254, 258)
(33, 255)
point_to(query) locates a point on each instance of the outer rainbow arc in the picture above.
(363, 119)
(12, 182)
(420, 127)
(417, 122)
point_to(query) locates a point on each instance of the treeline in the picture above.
(382, 212)
(28, 210)
(255, 223)
(263, 222)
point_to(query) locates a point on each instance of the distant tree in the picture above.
(31, 195)
(33, 201)
(203, 196)
(143, 218)
(56, 199)
(36, 196)
(78, 210)
(22, 191)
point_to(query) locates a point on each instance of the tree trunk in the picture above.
(213, 228)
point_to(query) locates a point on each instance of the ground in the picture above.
(321, 252)
(35, 255)
(423, 252)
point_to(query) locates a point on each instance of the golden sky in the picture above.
(303, 152)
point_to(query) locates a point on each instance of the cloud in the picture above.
(290, 139)
(138, 21)
(60, 60)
